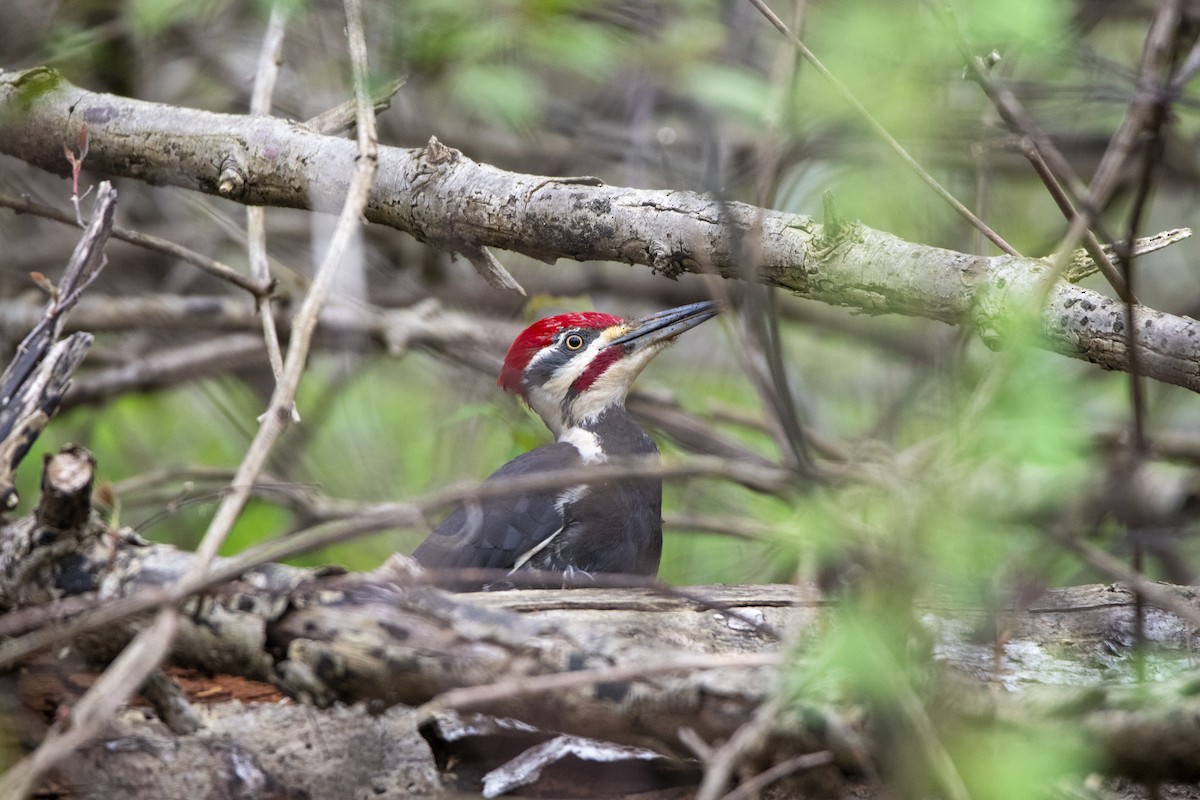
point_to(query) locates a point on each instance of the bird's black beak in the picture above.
(665, 325)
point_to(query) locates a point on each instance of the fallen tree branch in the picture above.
(306, 633)
(619, 666)
(587, 663)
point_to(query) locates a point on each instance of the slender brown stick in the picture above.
(882, 132)
(762, 780)
(279, 410)
(147, 650)
(470, 696)
(1047, 161)
(269, 59)
(211, 266)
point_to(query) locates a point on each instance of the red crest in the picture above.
(539, 335)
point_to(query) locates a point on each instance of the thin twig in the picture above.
(1185, 73)
(399, 515)
(473, 696)
(148, 649)
(740, 527)
(97, 706)
(1147, 113)
(33, 383)
(1141, 108)
(719, 767)
(211, 266)
(1090, 243)
(341, 118)
(1155, 119)
(275, 419)
(385, 516)
(1048, 162)
(269, 59)
(314, 506)
(764, 362)
(128, 671)
(762, 780)
(882, 132)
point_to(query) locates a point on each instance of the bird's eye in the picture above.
(574, 341)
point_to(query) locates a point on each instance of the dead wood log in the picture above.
(269, 751)
(328, 638)
(626, 666)
(67, 477)
(384, 640)
(34, 382)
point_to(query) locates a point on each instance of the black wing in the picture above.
(494, 532)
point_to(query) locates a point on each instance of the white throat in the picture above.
(586, 442)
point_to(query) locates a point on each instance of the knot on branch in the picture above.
(436, 153)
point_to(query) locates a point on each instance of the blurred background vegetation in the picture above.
(961, 465)
(972, 452)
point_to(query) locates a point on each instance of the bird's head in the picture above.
(572, 367)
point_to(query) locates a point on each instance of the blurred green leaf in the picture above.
(729, 90)
(579, 47)
(507, 94)
(150, 18)
(999, 763)
(1015, 26)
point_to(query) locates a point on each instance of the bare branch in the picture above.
(491, 270)
(341, 118)
(256, 230)
(34, 382)
(211, 266)
(446, 199)
(282, 400)
(882, 132)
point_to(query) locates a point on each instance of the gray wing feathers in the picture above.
(494, 532)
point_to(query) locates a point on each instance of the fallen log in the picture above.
(631, 667)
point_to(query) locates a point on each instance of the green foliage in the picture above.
(562, 40)
(987, 454)
(150, 18)
(730, 90)
(999, 763)
(493, 65)
(866, 655)
(683, 43)
(496, 91)
(990, 460)
(900, 61)
(259, 521)
(1023, 27)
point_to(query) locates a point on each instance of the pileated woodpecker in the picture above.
(574, 370)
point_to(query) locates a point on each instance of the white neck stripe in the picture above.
(586, 442)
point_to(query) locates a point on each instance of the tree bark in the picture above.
(445, 199)
(627, 666)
